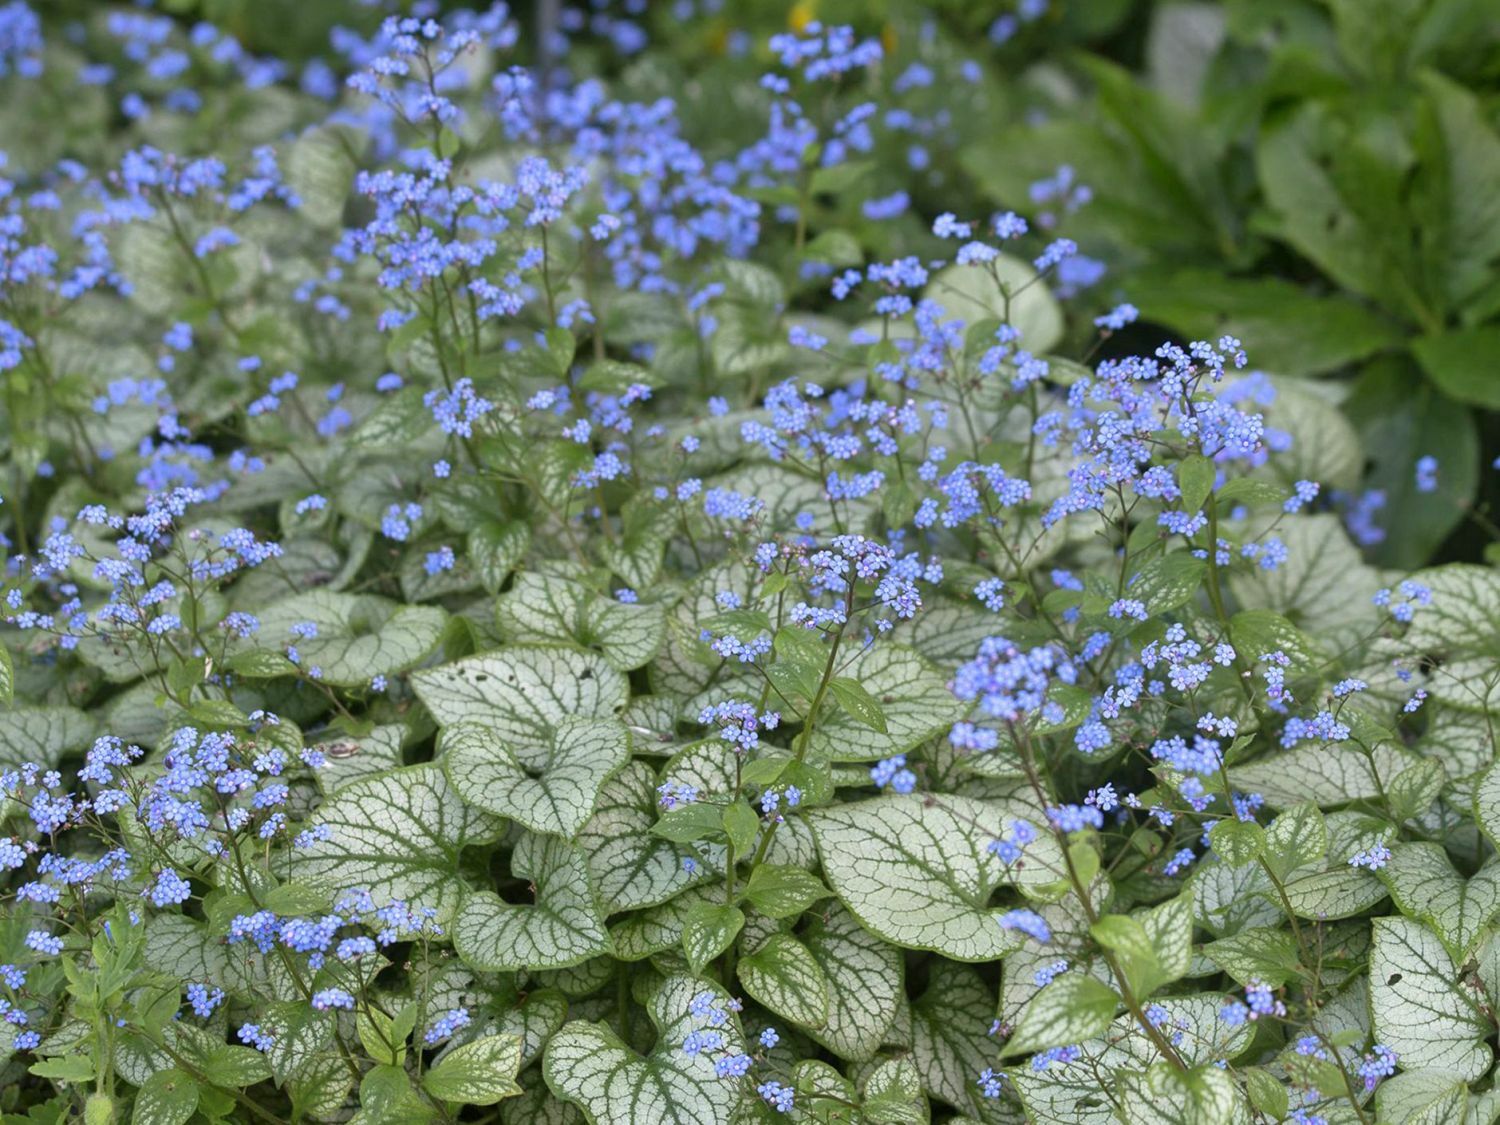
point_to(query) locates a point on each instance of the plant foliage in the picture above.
(528, 603)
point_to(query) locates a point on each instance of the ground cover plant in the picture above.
(529, 601)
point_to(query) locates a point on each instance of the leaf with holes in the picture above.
(1423, 1009)
(1425, 886)
(1461, 631)
(523, 692)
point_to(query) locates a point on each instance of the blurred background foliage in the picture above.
(1320, 178)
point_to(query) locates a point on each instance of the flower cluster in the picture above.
(490, 552)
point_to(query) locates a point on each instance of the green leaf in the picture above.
(859, 703)
(1323, 773)
(741, 826)
(1304, 161)
(42, 734)
(1267, 1094)
(1074, 1007)
(708, 931)
(495, 548)
(399, 835)
(562, 928)
(359, 636)
(1265, 953)
(1487, 804)
(1286, 327)
(237, 1065)
(764, 771)
(779, 890)
(554, 791)
(659, 928)
(912, 696)
(1131, 945)
(1424, 1097)
(1401, 416)
(319, 166)
(1070, 1094)
(548, 608)
(1153, 949)
(588, 1065)
(864, 982)
(7, 678)
(950, 1040)
(1195, 477)
(169, 1097)
(792, 679)
(1237, 842)
(65, 1068)
(636, 556)
(784, 976)
(835, 178)
(919, 875)
(687, 823)
(260, 664)
(1254, 493)
(1324, 587)
(1462, 363)
(386, 1097)
(1166, 1096)
(524, 692)
(479, 1072)
(632, 868)
(561, 347)
(378, 1036)
(347, 759)
(1296, 838)
(1168, 583)
(323, 1088)
(1422, 1008)
(1169, 925)
(1414, 789)
(1460, 630)
(1262, 630)
(969, 293)
(397, 421)
(893, 1095)
(1425, 886)
(300, 1037)
(1458, 186)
